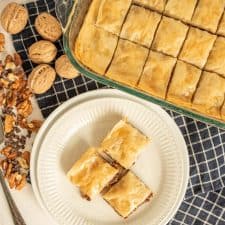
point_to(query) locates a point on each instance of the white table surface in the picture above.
(25, 199)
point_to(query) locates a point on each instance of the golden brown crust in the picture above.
(208, 13)
(170, 36)
(216, 62)
(94, 48)
(197, 47)
(221, 29)
(91, 173)
(183, 84)
(127, 195)
(109, 21)
(181, 9)
(153, 4)
(209, 96)
(156, 75)
(124, 143)
(127, 63)
(140, 25)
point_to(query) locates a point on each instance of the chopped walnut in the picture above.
(34, 125)
(25, 108)
(8, 123)
(2, 42)
(17, 59)
(16, 107)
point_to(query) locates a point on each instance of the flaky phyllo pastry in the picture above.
(164, 48)
(106, 170)
(91, 173)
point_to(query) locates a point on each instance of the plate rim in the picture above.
(100, 94)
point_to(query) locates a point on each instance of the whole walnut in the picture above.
(64, 68)
(14, 18)
(48, 27)
(42, 52)
(41, 78)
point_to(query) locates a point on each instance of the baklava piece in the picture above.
(91, 16)
(183, 84)
(127, 195)
(156, 74)
(112, 14)
(208, 13)
(170, 36)
(223, 112)
(94, 48)
(123, 144)
(221, 28)
(140, 25)
(216, 62)
(92, 174)
(153, 4)
(209, 96)
(181, 9)
(127, 63)
(197, 47)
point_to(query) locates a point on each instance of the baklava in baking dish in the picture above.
(169, 49)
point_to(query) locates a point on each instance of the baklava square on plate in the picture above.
(181, 9)
(154, 4)
(170, 36)
(208, 13)
(112, 14)
(123, 144)
(127, 195)
(197, 47)
(140, 25)
(216, 62)
(183, 84)
(92, 174)
(209, 96)
(127, 63)
(156, 75)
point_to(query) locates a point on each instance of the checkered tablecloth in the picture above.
(204, 201)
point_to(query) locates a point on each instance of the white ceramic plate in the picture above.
(163, 165)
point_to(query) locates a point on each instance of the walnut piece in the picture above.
(9, 123)
(25, 108)
(2, 42)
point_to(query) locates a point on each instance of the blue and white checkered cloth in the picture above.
(204, 201)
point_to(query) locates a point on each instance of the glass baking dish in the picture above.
(71, 13)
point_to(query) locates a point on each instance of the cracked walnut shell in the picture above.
(42, 52)
(64, 68)
(14, 18)
(48, 27)
(41, 78)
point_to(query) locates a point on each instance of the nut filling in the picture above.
(15, 108)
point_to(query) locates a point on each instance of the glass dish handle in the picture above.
(63, 9)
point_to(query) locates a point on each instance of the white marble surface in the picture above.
(25, 199)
